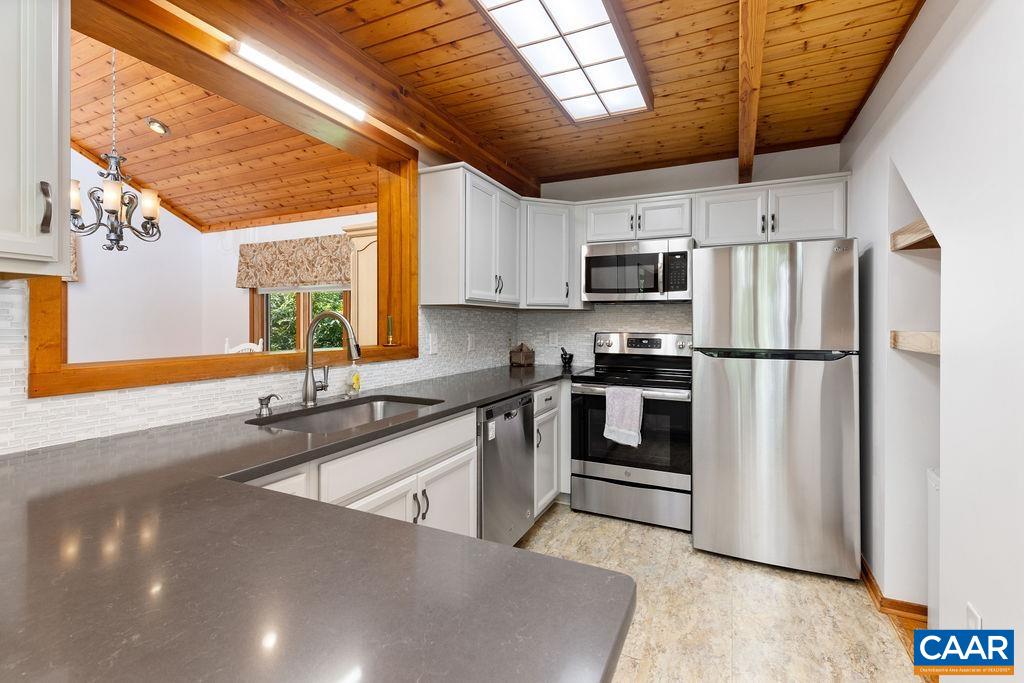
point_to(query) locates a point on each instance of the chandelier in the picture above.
(115, 204)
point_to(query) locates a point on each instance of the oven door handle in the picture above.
(649, 394)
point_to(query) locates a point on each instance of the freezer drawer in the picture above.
(789, 295)
(776, 466)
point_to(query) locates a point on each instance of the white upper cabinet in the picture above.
(507, 252)
(809, 210)
(611, 221)
(34, 114)
(548, 254)
(731, 216)
(668, 217)
(481, 239)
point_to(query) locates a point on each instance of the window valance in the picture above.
(305, 262)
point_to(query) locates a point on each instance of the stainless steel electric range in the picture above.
(649, 483)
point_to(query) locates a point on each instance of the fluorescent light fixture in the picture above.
(587, 107)
(598, 44)
(297, 79)
(525, 22)
(569, 84)
(611, 75)
(575, 49)
(550, 57)
(623, 100)
(573, 15)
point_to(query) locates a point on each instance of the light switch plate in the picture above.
(973, 617)
(432, 342)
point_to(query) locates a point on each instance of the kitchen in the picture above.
(673, 261)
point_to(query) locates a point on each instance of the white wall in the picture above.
(139, 303)
(225, 310)
(950, 125)
(773, 166)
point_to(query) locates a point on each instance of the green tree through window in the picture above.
(329, 334)
(281, 321)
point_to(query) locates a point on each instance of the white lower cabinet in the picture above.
(442, 496)
(395, 501)
(545, 461)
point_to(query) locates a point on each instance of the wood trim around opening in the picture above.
(50, 374)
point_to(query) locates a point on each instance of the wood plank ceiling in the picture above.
(820, 60)
(222, 166)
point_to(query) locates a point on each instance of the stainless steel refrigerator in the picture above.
(776, 448)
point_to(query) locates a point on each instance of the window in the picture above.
(282, 318)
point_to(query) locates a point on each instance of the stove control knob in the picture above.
(681, 345)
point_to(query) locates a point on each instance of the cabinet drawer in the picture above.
(545, 399)
(360, 471)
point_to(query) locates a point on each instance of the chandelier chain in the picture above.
(113, 100)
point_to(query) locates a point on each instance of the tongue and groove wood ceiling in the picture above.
(820, 61)
(222, 166)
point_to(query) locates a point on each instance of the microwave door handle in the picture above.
(661, 272)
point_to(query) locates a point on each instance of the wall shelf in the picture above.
(919, 342)
(914, 235)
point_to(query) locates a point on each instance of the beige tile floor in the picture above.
(701, 617)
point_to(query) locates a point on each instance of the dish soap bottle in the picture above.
(352, 380)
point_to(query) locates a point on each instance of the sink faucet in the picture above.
(311, 385)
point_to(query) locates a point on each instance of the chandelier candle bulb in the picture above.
(112, 196)
(76, 197)
(150, 205)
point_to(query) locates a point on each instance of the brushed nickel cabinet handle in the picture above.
(44, 225)
(416, 517)
(426, 501)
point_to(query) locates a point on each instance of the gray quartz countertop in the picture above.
(137, 557)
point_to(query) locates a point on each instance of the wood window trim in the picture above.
(50, 374)
(303, 316)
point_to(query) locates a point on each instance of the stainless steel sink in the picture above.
(335, 417)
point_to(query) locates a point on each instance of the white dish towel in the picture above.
(623, 413)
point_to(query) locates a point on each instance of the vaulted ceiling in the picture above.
(221, 166)
(819, 60)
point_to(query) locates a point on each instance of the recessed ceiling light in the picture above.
(525, 22)
(569, 84)
(611, 75)
(158, 126)
(598, 44)
(587, 107)
(550, 57)
(575, 49)
(623, 100)
(573, 15)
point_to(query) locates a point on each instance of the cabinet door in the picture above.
(731, 216)
(448, 493)
(294, 485)
(610, 221)
(803, 211)
(668, 217)
(481, 235)
(508, 248)
(548, 244)
(33, 184)
(395, 501)
(545, 461)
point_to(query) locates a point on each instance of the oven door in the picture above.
(663, 458)
(624, 271)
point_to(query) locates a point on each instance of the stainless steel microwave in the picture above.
(639, 270)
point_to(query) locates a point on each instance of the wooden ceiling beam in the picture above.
(151, 33)
(753, 16)
(288, 28)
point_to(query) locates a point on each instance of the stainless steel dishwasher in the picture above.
(505, 434)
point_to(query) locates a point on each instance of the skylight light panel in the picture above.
(575, 49)
(573, 15)
(623, 100)
(569, 84)
(611, 75)
(586, 107)
(598, 44)
(550, 57)
(525, 22)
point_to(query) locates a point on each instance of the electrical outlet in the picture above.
(470, 342)
(973, 618)
(553, 338)
(432, 344)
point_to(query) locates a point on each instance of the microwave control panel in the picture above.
(675, 271)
